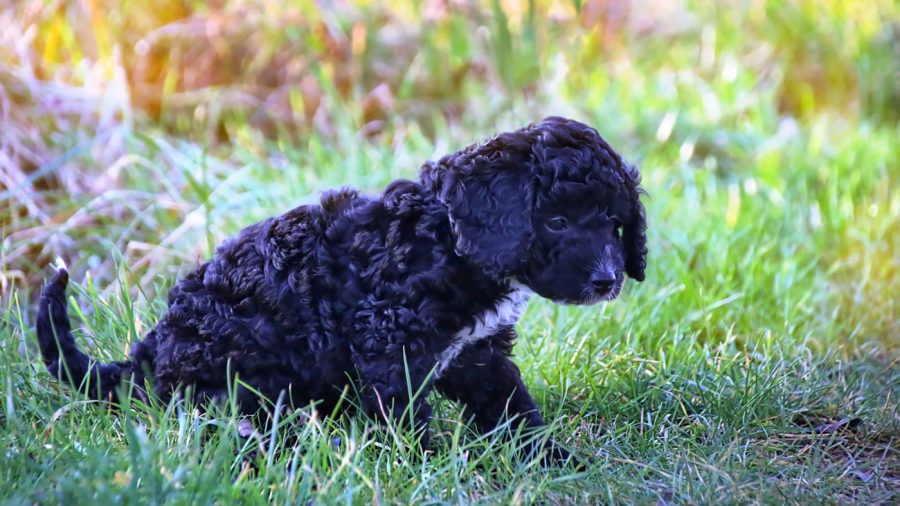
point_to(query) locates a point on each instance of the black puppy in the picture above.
(424, 283)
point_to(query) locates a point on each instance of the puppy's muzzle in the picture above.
(603, 281)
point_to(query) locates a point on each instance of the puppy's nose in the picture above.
(602, 281)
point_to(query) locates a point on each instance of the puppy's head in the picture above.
(551, 206)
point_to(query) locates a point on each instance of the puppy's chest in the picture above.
(506, 312)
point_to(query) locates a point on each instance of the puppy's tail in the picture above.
(60, 353)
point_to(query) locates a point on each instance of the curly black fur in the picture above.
(427, 281)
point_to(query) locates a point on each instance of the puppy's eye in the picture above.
(617, 226)
(558, 223)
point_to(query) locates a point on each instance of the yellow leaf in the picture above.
(734, 206)
(122, 478)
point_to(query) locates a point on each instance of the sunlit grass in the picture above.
(757, 363)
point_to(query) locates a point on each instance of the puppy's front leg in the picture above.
(488, 384)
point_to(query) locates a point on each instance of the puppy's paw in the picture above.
(554, 454)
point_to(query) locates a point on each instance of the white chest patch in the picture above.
(506, 312)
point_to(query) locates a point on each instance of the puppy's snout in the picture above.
(602, 281)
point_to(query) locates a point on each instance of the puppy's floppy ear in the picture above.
(634, 233)
(489, 193)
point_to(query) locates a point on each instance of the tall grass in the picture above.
(758, 362)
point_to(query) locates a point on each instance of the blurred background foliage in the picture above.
(155, 129)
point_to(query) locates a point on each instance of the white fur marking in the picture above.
(507, 312)
(59, 264)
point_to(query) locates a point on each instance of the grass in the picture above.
(757, 364)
